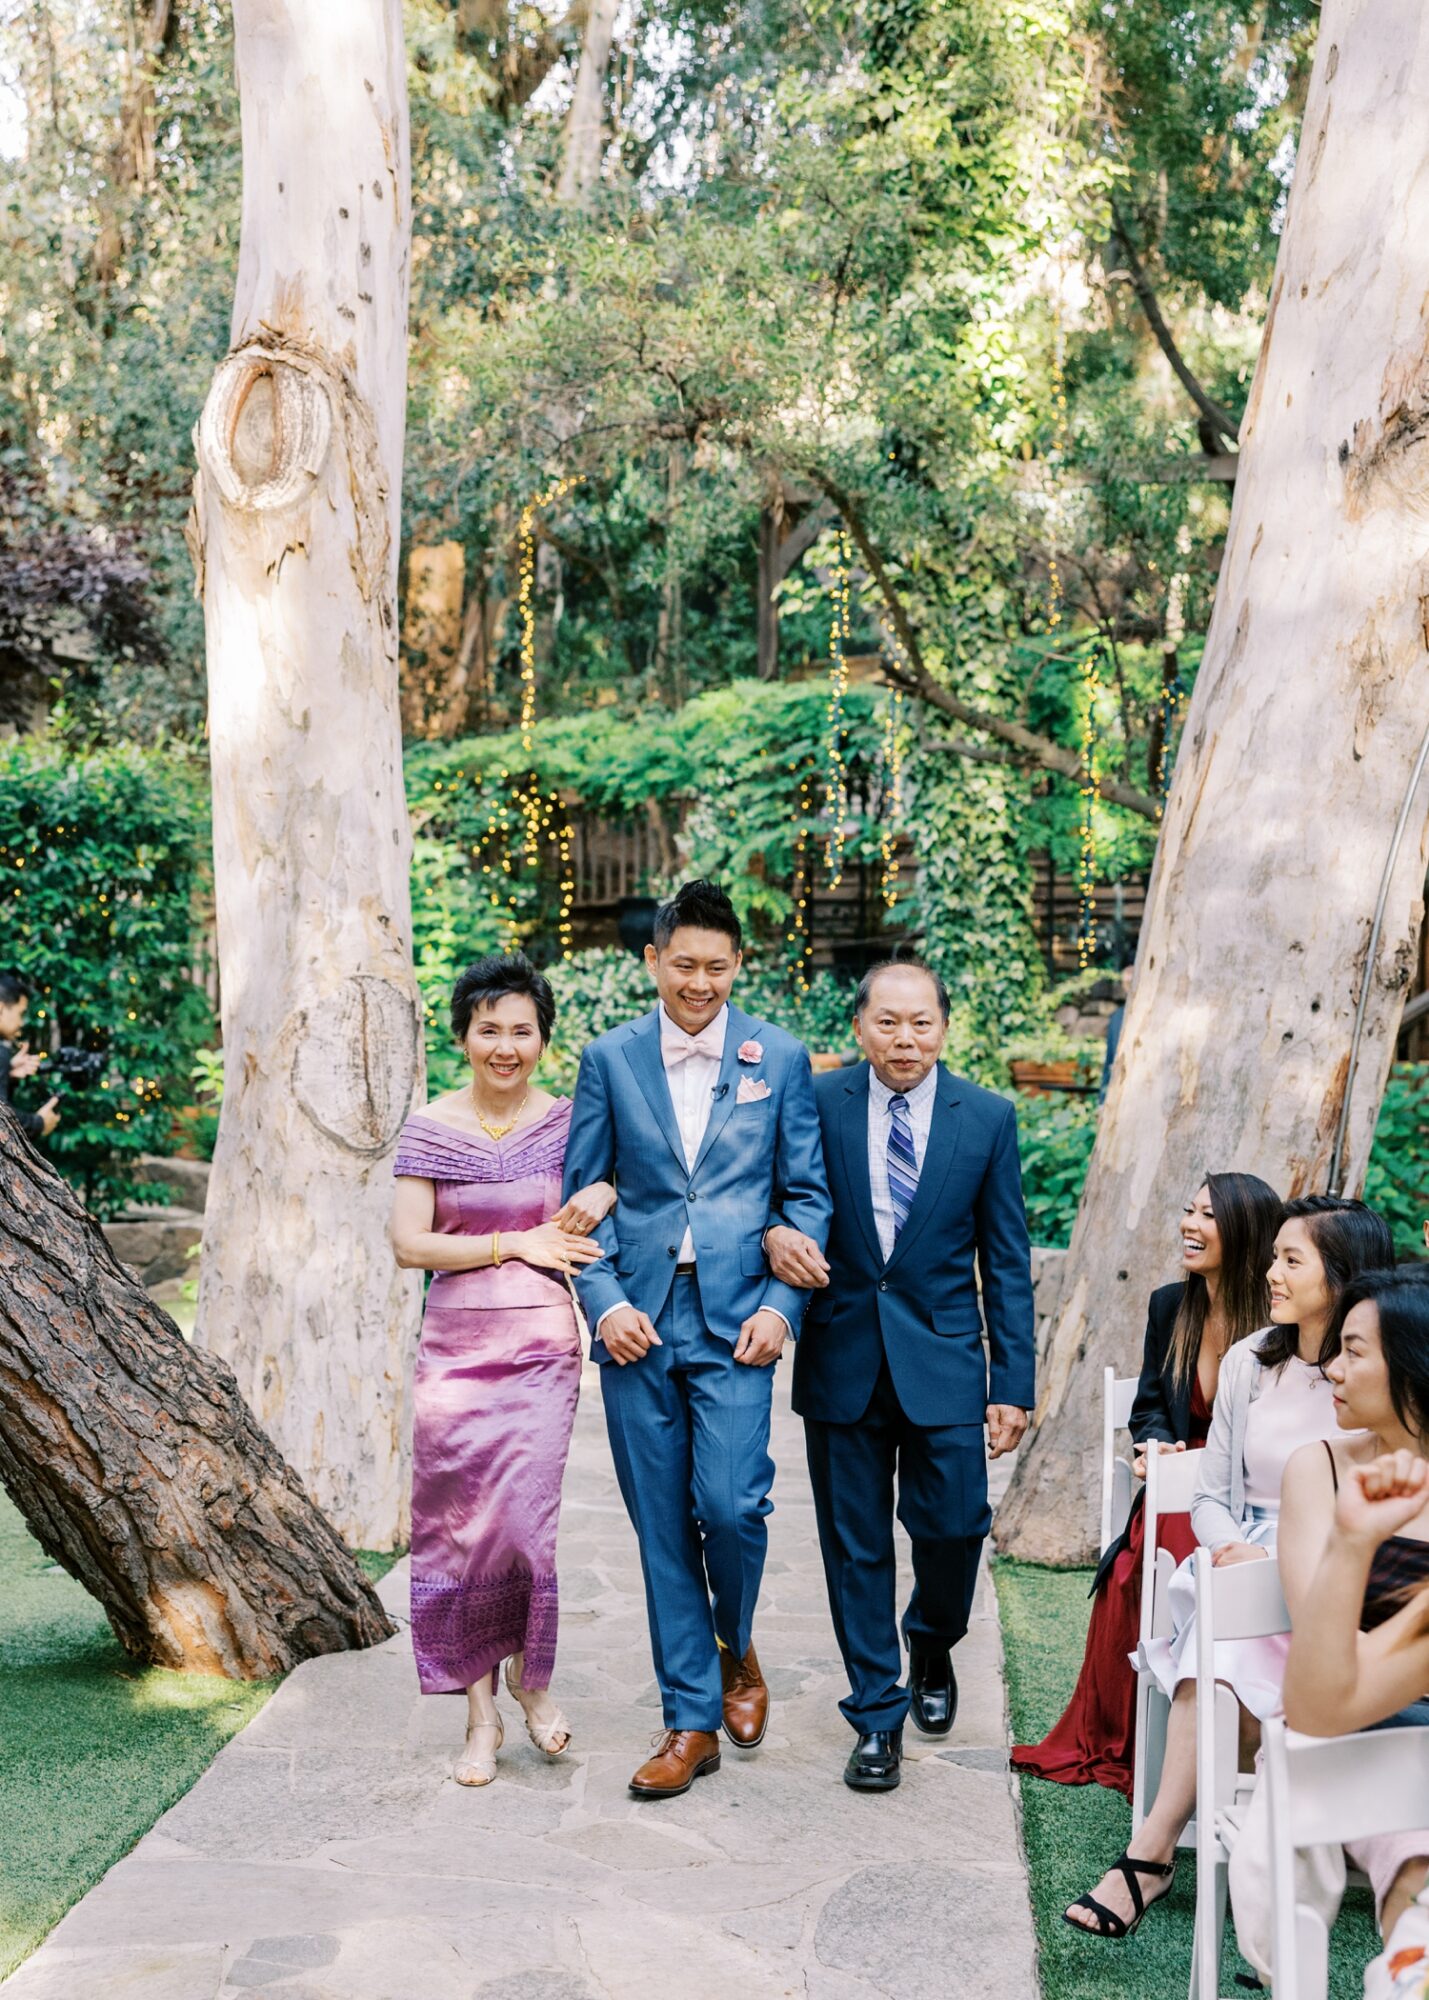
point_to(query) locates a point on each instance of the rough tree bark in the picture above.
(138, 1465)
(1299, 746)
(295, 533)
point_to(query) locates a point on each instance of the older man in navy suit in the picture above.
(891, 1376)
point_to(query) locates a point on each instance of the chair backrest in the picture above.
(1171, 1478)
(1118, 1395)
(1344, 1788)
(1323, 1791)
(1241, 1601)
(1120, 1391)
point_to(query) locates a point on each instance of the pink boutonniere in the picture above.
(750, 1052)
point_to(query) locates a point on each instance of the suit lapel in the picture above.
(853, 1139)
(642, 1051)
(937, 1159)
(738, 1028)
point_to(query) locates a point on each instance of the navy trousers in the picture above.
(941, 1483)
(689, 1432)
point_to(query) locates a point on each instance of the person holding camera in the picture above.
(17, 1059)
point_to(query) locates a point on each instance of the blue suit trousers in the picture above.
(689, 1433)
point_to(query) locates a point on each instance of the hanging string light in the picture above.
(1058, 453)
(892, 776)
(836, 780)
(531, 797)
(798, 935)
(1089, 788)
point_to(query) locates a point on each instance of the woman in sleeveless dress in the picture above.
(478, 1204)
(1227, 1234)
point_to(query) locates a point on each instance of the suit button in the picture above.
(671, 1251)
(693, 1196)
(882, 1286)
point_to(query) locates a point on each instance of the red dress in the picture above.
(1094, 1741)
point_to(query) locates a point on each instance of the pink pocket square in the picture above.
(751, 1090)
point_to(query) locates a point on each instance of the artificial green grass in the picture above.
(92, 1748)
(1074, 1832)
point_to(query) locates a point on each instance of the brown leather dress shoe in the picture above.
(681, 1756)
(746, 1699)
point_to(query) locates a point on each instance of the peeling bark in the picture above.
(1298, 749)
(138, 1466)
(295, 535)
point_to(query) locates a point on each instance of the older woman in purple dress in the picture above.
(479, 1205)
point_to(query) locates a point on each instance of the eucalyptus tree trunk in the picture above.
(139, 1468)
(1299, 749)
(295, 533)
(583, 141)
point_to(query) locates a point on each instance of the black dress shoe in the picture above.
(874, 1762)
(933, 1692)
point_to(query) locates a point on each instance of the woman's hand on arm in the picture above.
(549, 1246)
(586, 1209)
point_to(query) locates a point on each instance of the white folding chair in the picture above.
(1242, 1601)
(1170, 1487)
(1324, 1790)
(1118, 1480)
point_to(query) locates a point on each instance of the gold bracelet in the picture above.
(496, 1248)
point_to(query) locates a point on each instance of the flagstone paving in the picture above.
(327, 1854)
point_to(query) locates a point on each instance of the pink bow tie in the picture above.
(677, 1047)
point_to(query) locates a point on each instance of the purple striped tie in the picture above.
(902, 1162)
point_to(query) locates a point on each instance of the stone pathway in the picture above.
(327, 1855)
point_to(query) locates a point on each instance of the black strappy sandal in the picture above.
(1109, 1924)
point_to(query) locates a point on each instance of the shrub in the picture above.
(1055, 1136)
(102, 860)
(1397, 1179)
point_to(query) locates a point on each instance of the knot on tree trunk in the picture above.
(355, 1060)
(265, 429)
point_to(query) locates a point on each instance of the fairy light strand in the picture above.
(836, 779)
(1089, 788)
(892, 788)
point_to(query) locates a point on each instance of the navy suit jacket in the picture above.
(921, 1307)
(759, 1159)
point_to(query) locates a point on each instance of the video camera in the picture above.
(75, 1068)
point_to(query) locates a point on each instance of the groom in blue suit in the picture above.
(705, 1120)
(891, 1377)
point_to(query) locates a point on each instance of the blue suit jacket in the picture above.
(921, 1307)
(759, 1160)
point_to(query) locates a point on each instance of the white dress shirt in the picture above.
(692, 1086)
(920, 1114)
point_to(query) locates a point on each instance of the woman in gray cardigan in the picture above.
(1272, 1397)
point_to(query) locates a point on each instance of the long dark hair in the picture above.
(1247, 1213)
(1401, 1299)
(1351, 1238)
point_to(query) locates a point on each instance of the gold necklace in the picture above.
(498, 1132)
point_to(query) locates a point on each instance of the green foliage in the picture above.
(736, 757)
(1397, 1179)
(1055, 1136)
(101, 865)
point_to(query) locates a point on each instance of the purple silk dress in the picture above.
(494, 1400)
